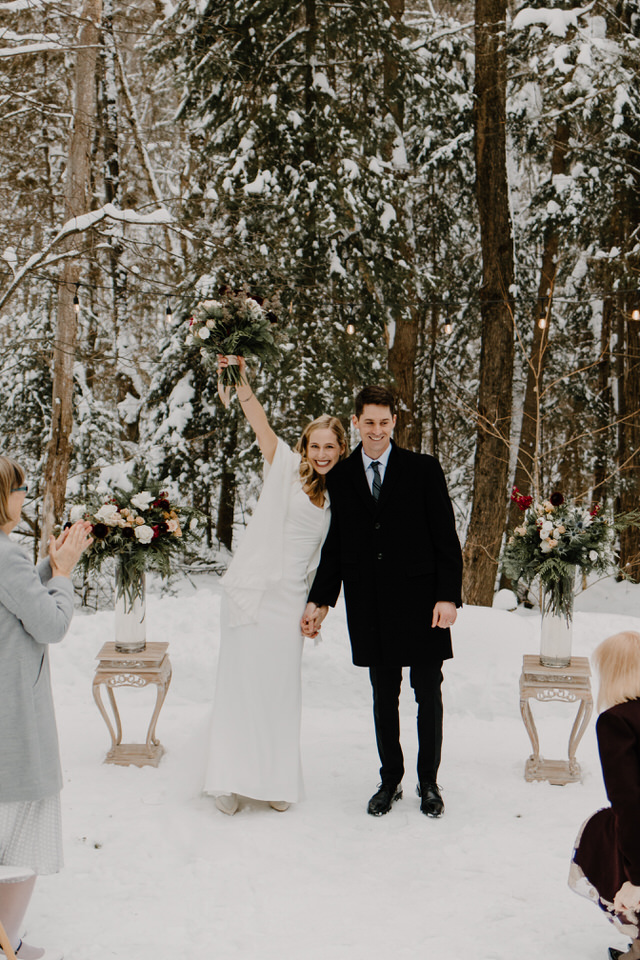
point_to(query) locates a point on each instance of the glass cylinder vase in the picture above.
(556, 628)
(130, 608)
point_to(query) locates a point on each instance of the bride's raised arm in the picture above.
(253, 411)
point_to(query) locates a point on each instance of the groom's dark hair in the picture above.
(381, 396)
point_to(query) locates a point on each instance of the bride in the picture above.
(254, 748)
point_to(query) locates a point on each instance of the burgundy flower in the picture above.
(522, 501)
(99, 531)
(128, 533)
(159, 529)
(595, 510)
(556, 499)
(162, 504)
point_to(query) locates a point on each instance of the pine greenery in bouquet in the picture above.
(141, 528)
(555, 538)
(234, 324)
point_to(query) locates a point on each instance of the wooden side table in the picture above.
(570, 684)
(116, 669)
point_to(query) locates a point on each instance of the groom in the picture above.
(392, 544)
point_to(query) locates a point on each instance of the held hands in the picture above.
(311, 620)
(627, 899)
(444, 614)
(66, 550)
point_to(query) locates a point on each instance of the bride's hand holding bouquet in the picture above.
(234, 325)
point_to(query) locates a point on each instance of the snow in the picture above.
(556, 21)
(154, 871)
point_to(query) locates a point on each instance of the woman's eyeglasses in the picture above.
(24, 488)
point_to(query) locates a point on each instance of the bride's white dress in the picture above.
(255, 734)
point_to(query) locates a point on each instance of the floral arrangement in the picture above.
(234, 324)
(555, 538)
(141, 528)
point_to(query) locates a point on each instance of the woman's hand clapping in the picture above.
(66, 550)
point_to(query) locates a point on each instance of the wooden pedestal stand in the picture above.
(570, 684)
(115, 669)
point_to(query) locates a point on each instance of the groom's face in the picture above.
(375, 426)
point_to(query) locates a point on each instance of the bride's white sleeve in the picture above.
(258, 559)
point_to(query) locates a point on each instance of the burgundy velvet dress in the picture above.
(607, 851)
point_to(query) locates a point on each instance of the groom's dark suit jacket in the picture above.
(395, 557)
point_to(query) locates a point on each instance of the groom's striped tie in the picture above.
(377, 482)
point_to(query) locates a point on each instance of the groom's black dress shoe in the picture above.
(381, 801)
(431, 803)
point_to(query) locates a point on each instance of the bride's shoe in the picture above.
(227, 803)
(279, 805)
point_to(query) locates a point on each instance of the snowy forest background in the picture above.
(458, 186)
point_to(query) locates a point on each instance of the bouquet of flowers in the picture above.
(141, 528)
(553, 539)
(234, 324)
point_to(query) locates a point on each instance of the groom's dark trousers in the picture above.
(395, 559)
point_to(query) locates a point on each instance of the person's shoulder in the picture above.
(420, 460)
(619, 716)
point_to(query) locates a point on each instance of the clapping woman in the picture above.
(606, 860)
(36, 606)
(255, 735)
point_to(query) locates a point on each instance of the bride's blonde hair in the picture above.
(313, 483)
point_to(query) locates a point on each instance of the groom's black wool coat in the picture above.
(395, 558)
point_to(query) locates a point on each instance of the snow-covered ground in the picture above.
(155, 872)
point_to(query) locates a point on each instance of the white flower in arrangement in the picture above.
(546, 527)
(189, 340)
(211, 323)
(254, 307)
(144, 533)
(212, 305)
(142, 500)
(204, 332)
(172, 526)
(547, 546)
(593, 555)
(108, 514)
(77, 513)
(520, 530)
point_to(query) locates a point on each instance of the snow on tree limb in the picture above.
(79, 225)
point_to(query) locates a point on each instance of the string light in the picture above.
(168, 312)
(448, 326)
(542, 314)
(351, 329)
(635, 313)
(76, 300)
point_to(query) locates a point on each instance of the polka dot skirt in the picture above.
(31, 834)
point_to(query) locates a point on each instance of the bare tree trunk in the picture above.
(527, 473)
(227, 501)
(491, 468)
(628, 352)
(601, 471)
(404, 349)
(77, 197)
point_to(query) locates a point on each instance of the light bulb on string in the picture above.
(635, 313)
(76, 300)
(448, 326)
(351, 329)
(168, 312)
(542, 314)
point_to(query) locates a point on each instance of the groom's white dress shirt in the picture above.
(368, 469)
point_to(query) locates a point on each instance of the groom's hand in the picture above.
(311, 619)
(444, 614)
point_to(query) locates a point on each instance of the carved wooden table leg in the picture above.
(570, 684)
(150, 666)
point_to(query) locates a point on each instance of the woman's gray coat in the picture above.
(35, 610)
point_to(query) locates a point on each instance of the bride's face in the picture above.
(323, 449)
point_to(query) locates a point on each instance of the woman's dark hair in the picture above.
(380, 396)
